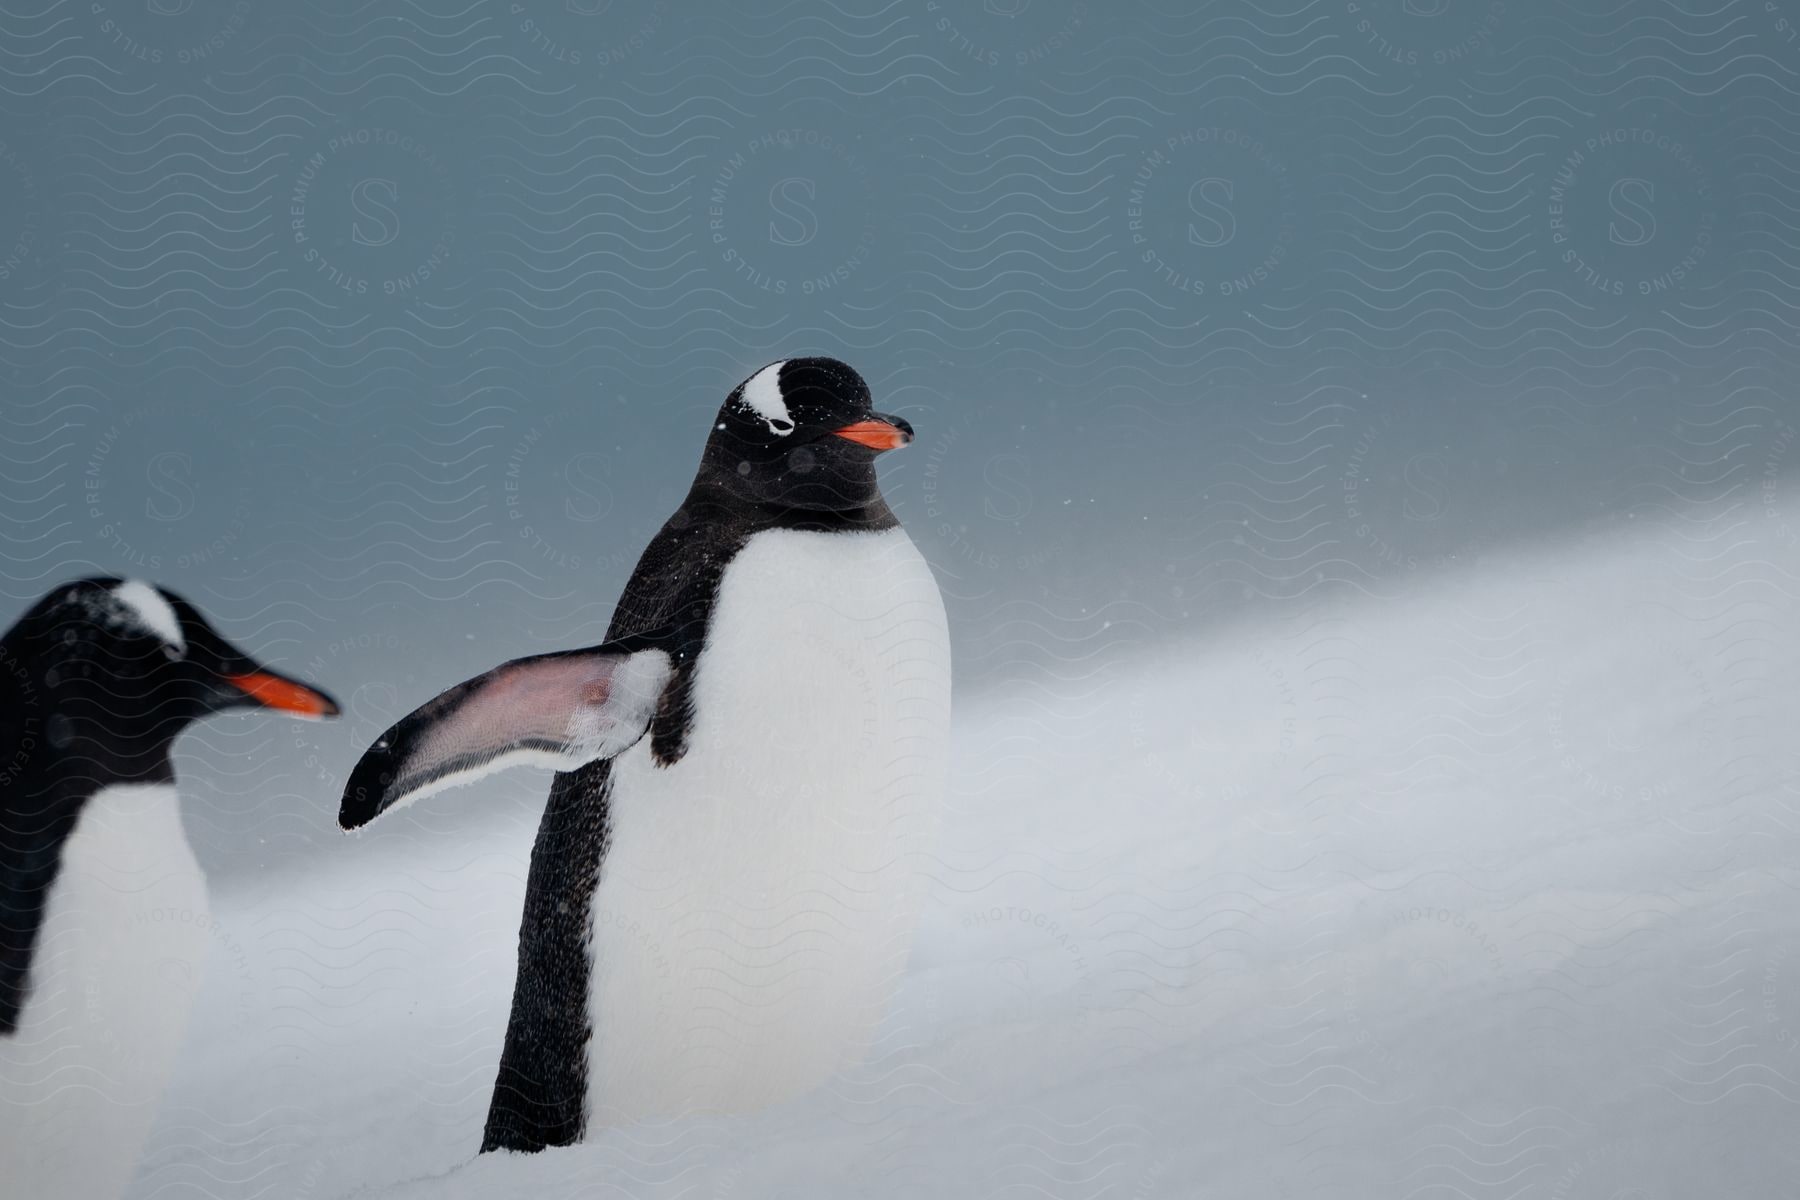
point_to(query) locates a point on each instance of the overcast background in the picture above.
(390, 333)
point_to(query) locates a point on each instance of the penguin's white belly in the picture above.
(757, 899)
(116, 967)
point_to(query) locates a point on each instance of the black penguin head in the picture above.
(800, 434)
(122, 667)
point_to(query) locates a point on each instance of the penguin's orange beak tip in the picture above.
(877, 434)
(284, 695)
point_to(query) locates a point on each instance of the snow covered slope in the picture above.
(1486, 890)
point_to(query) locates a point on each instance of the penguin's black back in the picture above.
(35, 816)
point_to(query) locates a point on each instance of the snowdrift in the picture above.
(1411, 896)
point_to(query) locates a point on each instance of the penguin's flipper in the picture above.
(562, 710)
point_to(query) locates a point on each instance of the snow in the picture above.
(1481, 889)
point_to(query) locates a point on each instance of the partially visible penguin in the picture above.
(724, 884)
(103, 910)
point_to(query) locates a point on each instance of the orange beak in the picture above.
(272, 691)
(876, 435)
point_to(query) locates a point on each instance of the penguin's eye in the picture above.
(172, 653)
(781, 427)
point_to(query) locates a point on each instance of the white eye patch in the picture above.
(145, 607)
(762, 396)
